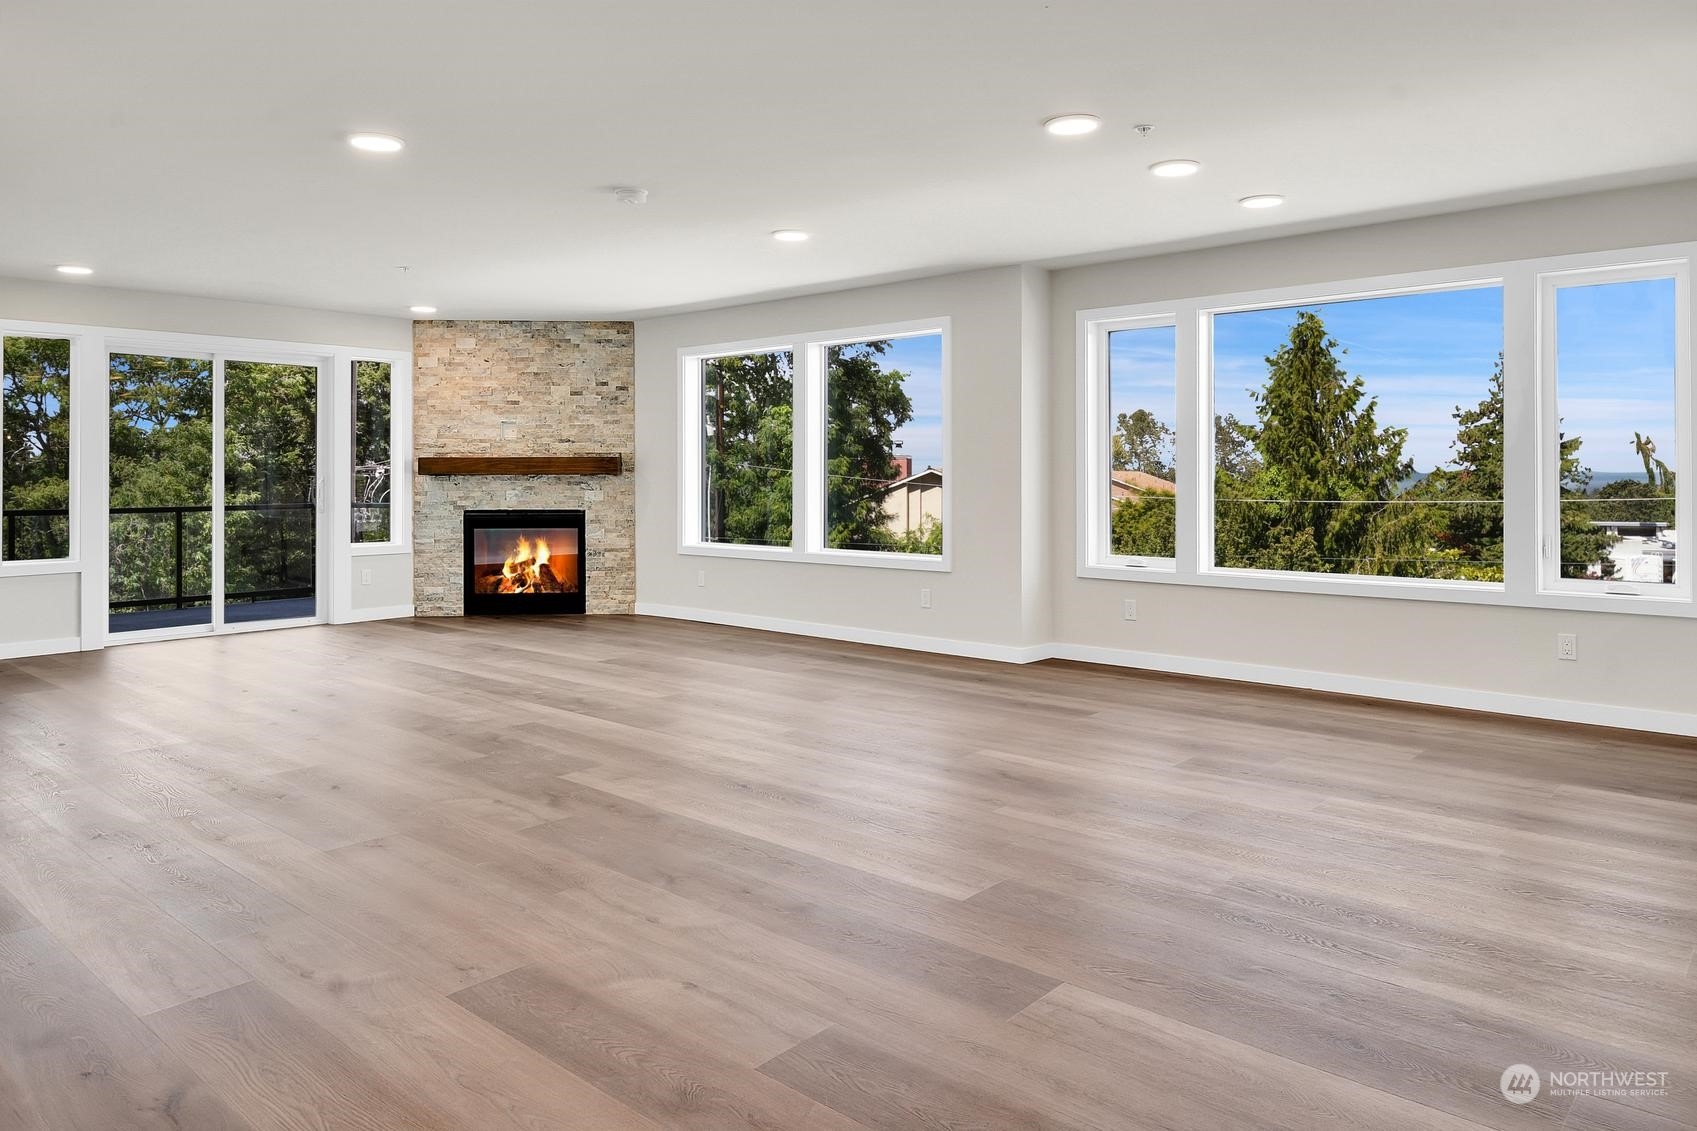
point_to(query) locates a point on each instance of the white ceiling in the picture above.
(196, 146)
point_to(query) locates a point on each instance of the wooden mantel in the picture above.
(520, 465)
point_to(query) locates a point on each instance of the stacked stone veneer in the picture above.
(523, 389)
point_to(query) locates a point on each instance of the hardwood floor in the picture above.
(614, 873)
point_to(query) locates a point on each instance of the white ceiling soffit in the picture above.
(198, 146)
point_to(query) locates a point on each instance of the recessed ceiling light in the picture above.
(1178, 167)
(1073, 125)
(73, 269)
(422, 309)
(1262, 200)
(789, 235)
(377, 143)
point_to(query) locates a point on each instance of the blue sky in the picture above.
(922, 360)
(1424, 354)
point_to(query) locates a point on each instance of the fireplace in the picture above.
(524, 562)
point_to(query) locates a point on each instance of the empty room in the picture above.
(1024, 565)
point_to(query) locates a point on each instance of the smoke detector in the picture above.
(631, 195)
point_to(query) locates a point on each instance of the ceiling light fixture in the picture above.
(631, 195)
(1178, 167)
(1262, 200)
(422, 309)
(376, 143)
(73, 269)
(790, 235)
(1073, 125)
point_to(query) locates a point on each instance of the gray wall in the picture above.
(993, 543)
(1013, 426)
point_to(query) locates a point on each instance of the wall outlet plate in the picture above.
(1129, 610)
(365, 577)
(925, 598)
(700, 578)
(1567, 646)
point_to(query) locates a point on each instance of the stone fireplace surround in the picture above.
(523, 389)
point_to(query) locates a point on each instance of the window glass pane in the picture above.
(884, 445)
(270, 491)
(1362, 437)
(1142, 459)
(35, 449)
(747, 449)
(161, 502)
(372, 465)
(1617, 441)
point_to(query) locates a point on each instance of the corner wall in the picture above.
(1014, 593)
(523, 388)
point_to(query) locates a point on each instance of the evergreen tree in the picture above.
(1325, 471)
(749, 448)
(35, 437)
(1142, 442)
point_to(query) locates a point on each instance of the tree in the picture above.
(865, 405)
(1583, 546)
(35, 438)
(749, 448)
(1143, 525)
(1325, 470)
(1461, 529)
(1141, 442)
(1234, 447)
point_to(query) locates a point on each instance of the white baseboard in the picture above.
(1435, 695)
(1005, 653)
(23, 648)
(382, 612)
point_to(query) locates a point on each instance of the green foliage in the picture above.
(928, 539)
(161, 456)
(1326, 469)
(865, 405)
(1143, 525)
(749, 448)
(373, 471)
(35, 438)
(1142, 443)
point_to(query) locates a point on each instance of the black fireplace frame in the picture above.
(511, 604)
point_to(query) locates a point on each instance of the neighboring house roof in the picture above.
(1130, 484)
(930, 477)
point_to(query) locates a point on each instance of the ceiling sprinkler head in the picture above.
(631, 195)
(1143, 130)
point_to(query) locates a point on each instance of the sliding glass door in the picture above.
(214, 493)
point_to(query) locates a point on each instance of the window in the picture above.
(1142, 420)
(372, 461)
(35, 449)
(884, 445)
(748, 449)
(826, 447)
(1512, 433)
(1361, 437)
(1616, 439)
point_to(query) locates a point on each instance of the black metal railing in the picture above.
(178, 599)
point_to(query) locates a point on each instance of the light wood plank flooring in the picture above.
(615, 873)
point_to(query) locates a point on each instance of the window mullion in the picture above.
(1193, 532)
(1528, 397)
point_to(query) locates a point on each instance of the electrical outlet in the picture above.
(1567, 646)
(925, 598)
(1130, 610)
(700, 578)
(365, 577)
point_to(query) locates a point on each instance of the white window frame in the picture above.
(81, 358)
(400, 447)
(1528, 398)
(1097, 404)
(808, 520)
(1550, 282)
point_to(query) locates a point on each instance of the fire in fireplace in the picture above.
(524, 562)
